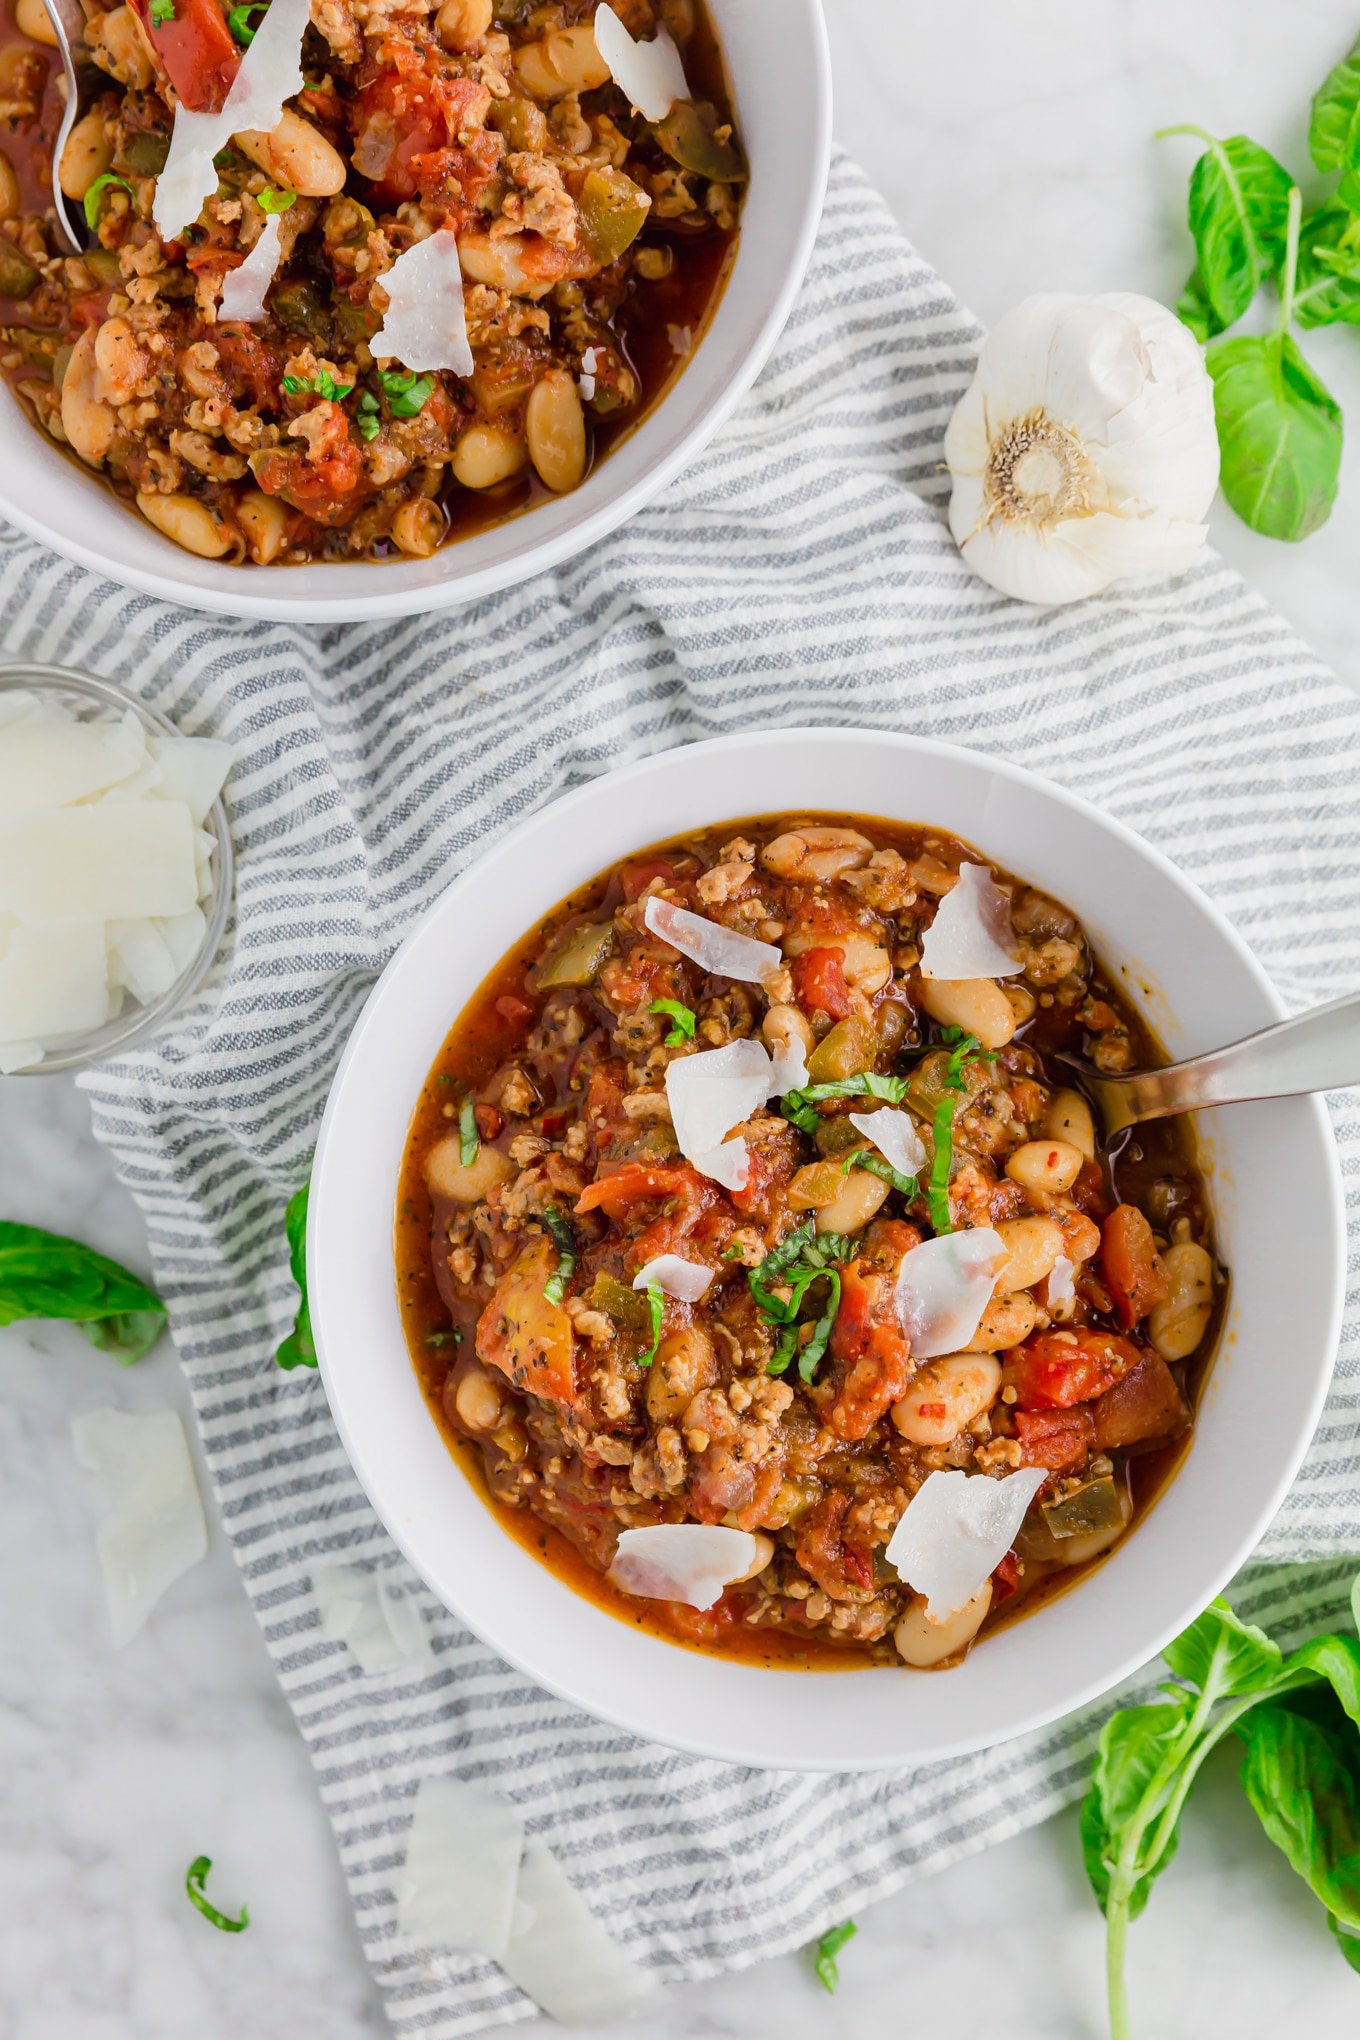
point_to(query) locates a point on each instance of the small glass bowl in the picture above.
(95, 700)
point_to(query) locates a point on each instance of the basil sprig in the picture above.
(801, 1259)
(564, 1239)
(1298, 1717)
(46, 1275)
(299, 1348)
(966, 1049)
(827, 1949)
(797, 1106)
(195, 1877)
(683, 1016)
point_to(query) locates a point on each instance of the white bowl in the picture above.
(1276, 1196)
(780, 69)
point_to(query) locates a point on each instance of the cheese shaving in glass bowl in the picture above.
(115, 868)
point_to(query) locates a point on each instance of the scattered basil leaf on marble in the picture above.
(1298, 1717)
(1328, 289)
(1194, 310)
(299, 1348)
(195, 1877)
(1238, 213)
(1279, 433)
(45, 1275)
(1334, 126)
(684, 1018)
(827, 1949)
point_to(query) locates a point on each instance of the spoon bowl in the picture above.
(84, 80)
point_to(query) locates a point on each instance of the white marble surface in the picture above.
(1014, 143)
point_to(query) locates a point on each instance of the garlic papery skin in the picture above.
(1084, 449)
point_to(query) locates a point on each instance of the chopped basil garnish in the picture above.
(685, 1020)
(967, 1048)
(564, 1239)
(468, 1143)
(797, 1106)
(239, 22)
(162, 11)
(828, 1948)
(439, 1338)
(271, 201)
(367, 415)
(656, 1304)
(195, 1877)
(407, 392)
(90, 202)
(879, 1165)
(299, 1348)
(323, 383)
(796, 1263)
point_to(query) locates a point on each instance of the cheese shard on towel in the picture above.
(152, 1528)
(562, 1955)
(943, 1287)
(456, 1887)
(651, 75)
(721, 951)
(243, 288)
(689, 1562)
(382, 1630)
(955, 1531)
(971, 935)
(425, 325)
(269, 75)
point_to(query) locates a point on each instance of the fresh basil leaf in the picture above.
(1335, 1659)
(1221, 1651)
(1135, 1744)
(828, 1948)
(1347, 1940)
(685, 1020)
(240, 24)
(564, 1239)
(942, 1161)
(367, 415)
(162, 11)
(46, 1275)
(1355, 1602)
(880, 1166)
(271, 201)
(299, 1348)
(1304, 1792)
(1194, 310)
(468, 1142)
(1239, 217)
(1328, 289)
(1279, 432)
(1334, 126)
(656, 1304)
(407, 393)
(89, 204)
(195, 1877)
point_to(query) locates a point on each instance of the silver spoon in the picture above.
(1318, 1051)
(84, 80)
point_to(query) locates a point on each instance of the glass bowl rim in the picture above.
(38, 676)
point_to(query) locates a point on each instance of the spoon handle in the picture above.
(1317, 1051)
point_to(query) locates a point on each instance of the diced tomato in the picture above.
(1089, 1193)
(1144, 1404)
(871, 1352)
(1053, 1370)
(615, 1193)
(524, 1334)
(637, 876)
(1133, 1273)
(710, 1628)
(514, 1011)
(248, 364)
(490, 1119)
(1005, 1578)
(1057, 1439)
(819, 982)
(841, 1566)
(407, 122)
(197, 50)
(326, 484)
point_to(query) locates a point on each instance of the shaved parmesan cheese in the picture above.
(971, 935)
(651, 75)
(18, 1055)
(49, 762)
(893, 1133)
(382, 1630)
(152, 1528)
(424, 325)
(243, 288)
(687, 1280)
(1061, 1292)
(563, 1957)
(270, 73)
(456, 1888)
(585, 381)
(690, 1562)
(710, 1093)
(956, 1530)
(194, 770)
(943, 1287)
(788, 1069)
(52, 981)
(714, 948)
(108, 861)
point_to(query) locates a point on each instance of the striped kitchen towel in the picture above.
(800, 573)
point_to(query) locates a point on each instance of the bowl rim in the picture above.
(143, 1022)
(1153, 1636)
(270, 601)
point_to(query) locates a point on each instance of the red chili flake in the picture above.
(490, 1119)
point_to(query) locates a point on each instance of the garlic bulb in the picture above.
(1084, 448)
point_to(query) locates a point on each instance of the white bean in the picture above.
(764, 1552)
(461, 24)
(477, 1401)
(87, 420)
(1033, 1245)
(296, 155)
(1069, 1118)
(555, 426)
(923, 1643)
(1178, 1323)
(946, 1396)
(565, 60)
(87, 154)
(418, 527)
(264, 520)
(1045, 1167)
(782, 1026)
(465, 1182)
(190, 524)
(1005, 1323)
(487, 455)
(854, 1204)
(978, 1005)
(32, 19)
